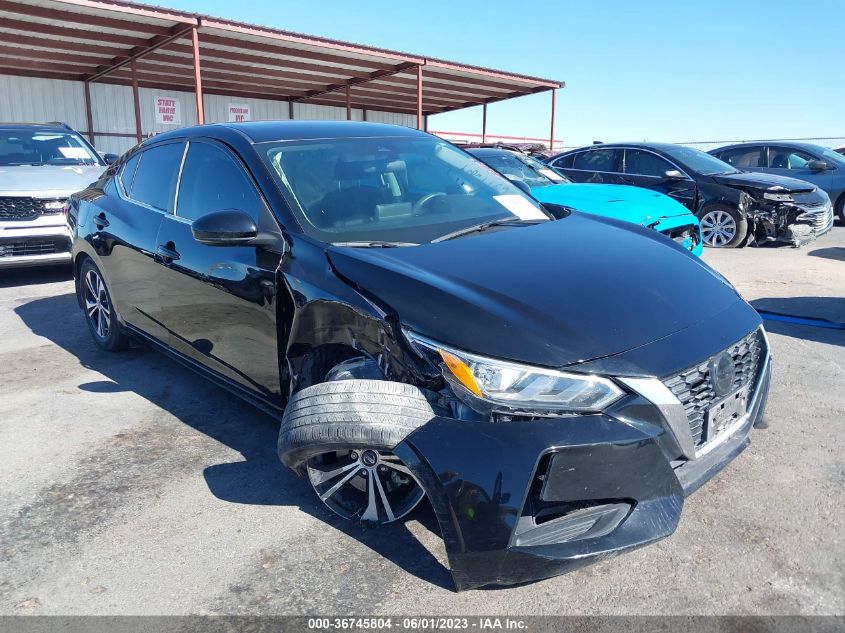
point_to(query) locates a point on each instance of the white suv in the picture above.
(41, 165)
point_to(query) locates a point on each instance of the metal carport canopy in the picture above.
(142, 45)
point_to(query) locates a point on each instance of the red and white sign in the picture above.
(168, 111)
(239, 112)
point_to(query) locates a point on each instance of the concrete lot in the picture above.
(130, 486)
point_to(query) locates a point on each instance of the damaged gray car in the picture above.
(734, 207)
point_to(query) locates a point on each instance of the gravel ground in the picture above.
(128, 485)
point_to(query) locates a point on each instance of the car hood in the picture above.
(761, 181)
(47, 180)
(553, 294)
(631, 204)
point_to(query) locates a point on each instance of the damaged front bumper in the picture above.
(796, 222)
(519, 501)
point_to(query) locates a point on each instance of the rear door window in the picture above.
(598, 160)
(155, 177)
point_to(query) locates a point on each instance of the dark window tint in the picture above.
(786, 158)
(155, 177)
(213, 181)
(564, 162)
(744, 157)
(597, 160)
(645, 163)
(127, 172)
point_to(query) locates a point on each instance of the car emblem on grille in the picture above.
(722, 373)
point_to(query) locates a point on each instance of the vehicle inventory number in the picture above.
(416, 624)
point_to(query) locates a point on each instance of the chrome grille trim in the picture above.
(26, 208)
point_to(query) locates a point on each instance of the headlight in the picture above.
(488, 384)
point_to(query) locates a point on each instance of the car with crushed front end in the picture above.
(819, 165)
(631, 204)
(424, 329)
(41, 165)
(735, 207)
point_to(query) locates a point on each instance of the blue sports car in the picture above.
(631, 204)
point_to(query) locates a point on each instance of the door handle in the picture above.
(167, 253)
(101, 221)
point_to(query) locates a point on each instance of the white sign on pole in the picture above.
(239, 112)
(168, 111)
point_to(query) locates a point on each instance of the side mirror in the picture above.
(110, 158)
(230, 227)
(673, 174)
(817, 165)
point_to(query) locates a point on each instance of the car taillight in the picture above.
(66, 208)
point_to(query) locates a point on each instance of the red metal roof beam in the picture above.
(378, 74)
(176, 32)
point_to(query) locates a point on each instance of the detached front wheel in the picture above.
(342, 434)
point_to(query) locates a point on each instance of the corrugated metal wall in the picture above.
(36, 100)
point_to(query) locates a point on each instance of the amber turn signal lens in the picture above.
(461, 371)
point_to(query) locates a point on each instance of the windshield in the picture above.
(698, 161)
(518, 166)
(407, 190)
(35, 147)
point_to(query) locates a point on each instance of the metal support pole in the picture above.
(419, 98)
(139, 135)
(484, 123)
(88, 115)
(197, 77)
(364, 114)
(290, 109)
(552, 131)
(348, 103)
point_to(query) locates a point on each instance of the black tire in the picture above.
(712, 238)
(102, 321)
(336, 416)
(840, 208)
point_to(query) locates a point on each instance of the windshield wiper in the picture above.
(478, 228)
(374, 244)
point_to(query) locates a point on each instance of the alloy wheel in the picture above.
(718, 228)
(97, 304)
(365, 484)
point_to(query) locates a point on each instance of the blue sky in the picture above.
(657, 70)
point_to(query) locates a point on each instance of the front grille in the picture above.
(34, 246)
(695, 391)
(21, 208)
(819, 216)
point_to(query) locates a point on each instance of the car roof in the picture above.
(264, 131)
(46, 127)
(659, 147)
(810, 147)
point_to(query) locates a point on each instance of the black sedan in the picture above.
(422, 328)
(817, 165)
(734, 206)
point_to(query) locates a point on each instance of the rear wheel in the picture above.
(99, 310)
(723, 227)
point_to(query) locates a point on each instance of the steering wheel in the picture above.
(419, 204)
